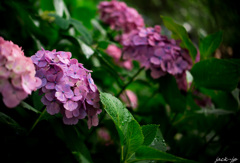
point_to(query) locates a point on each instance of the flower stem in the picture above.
(36, 122)
(130, 81)
(122, 159)
(112, 70)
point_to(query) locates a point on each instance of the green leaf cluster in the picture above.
(137, 143)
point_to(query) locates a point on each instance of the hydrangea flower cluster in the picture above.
(116, 53)
(67, 87)
(155, 52)
(146, 45)
(17, 74)
(119, 16)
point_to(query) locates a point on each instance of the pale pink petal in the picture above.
(70, 105)
(69, 94)
(3, 83)
(60, 96)
(21, 95)
(11, 101)
(17, 82)
(4, 73)
(77, 98)
(155, 61)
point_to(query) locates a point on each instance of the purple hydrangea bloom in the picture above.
(155, 52)
(63, 92)
(146, 45)
(38, 59)
(119, 16)
(75, 72)
(67, 87)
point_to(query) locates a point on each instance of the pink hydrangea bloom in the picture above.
(67, 86)
(119, 16)
(104, 136)
(17, 74)
(116, 53)
(155, 52)
(130, 99)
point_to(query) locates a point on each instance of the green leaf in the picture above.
(103, 44)
(191, 102)
(46, 5)
(219, 74)
(26, 19)
(179, 32)
(64, 24)
(86, 36)
(6, 120)
(148, 153)
(85, 14)
(221, 99)
(172, 94)
(209, 44)
(153, 137)
(149, 133)
(87, 51)
(36, 98)
(133, 138)
(129, 130)
(158, 142)
(61, 22)
(96, 24)
(235, 94)
(116, 110)
(29, 107)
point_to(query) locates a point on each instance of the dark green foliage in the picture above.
(217, 74)
(209, 44)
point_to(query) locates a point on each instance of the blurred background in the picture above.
(200, 17)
